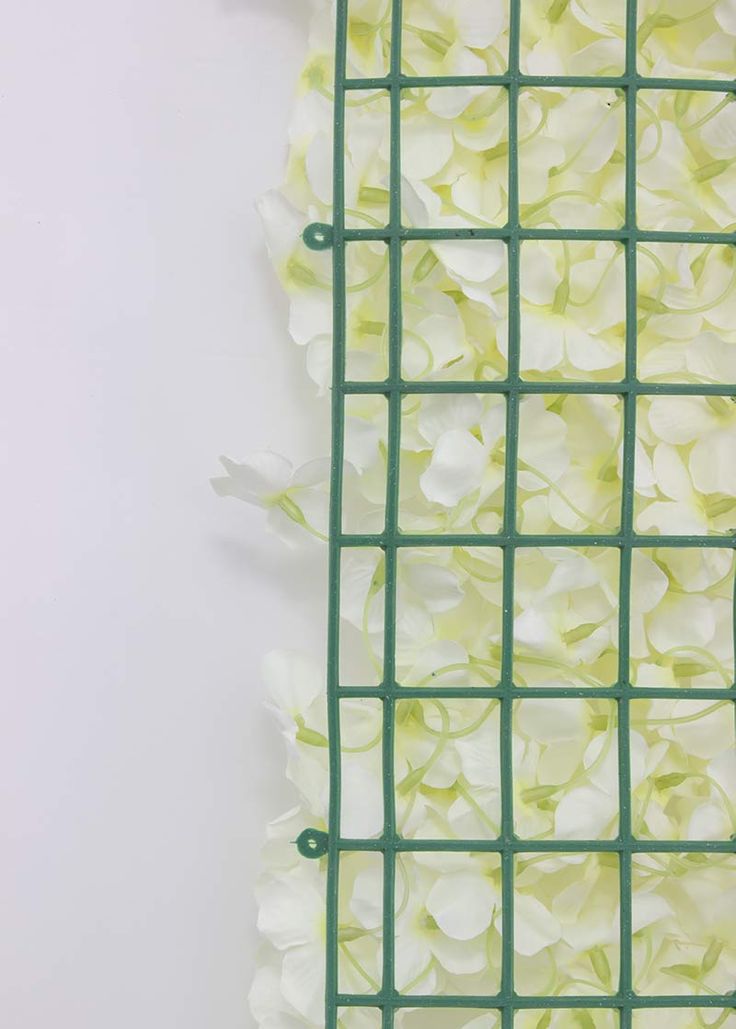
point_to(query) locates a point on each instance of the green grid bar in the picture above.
(389, 845)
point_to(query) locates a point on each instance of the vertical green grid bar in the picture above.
(627, 528)
(392, 520)
(509, 553)
(336, 476)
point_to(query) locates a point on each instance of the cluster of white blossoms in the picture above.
(568, 480)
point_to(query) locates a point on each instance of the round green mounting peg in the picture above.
(312, 843)
(318, 236)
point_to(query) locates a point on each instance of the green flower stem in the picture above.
(727, 99)
(415, 776)
(709, 660)
(293, 511)
(559, 169)
(345, 950)
(462, 789)
(422, 975)
(365, 747)
(425, 347)
(375, 223)
(542, 123)
(683, 719)
(372, 279)
(543, 662)
(592, 296)
(470, 565)
(656, 122)
(538, 209)
(589, 518)
(457, 734)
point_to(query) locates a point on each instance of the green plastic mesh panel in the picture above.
(338, 238)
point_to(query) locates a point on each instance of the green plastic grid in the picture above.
(313, 843)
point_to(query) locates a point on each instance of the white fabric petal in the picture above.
(584, 813)
(680, 419)
(725, 13)
(366, 898)
(426, 146)
(293, 680)
(459, 957)
(456, 468)
(682, 621)
(479, 22)
(257, 479)
(302, 980)
(361, 798)
(474, 260)
(672, 518)
(462, 905)
(282, 223)
(647, 909)
(534, 926)
(552, 721)
(713, 463)
(540, 275)
(542, 341)
(670, 472)
(312, 473)
(310, 315)
(649, 583)
(438, 587)
(290, 910)
(709, 822)
(318, 165)
(586, 351)
(440, 413)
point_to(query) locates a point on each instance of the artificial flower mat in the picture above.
(507, 238)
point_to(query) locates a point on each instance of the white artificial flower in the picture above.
(291, 915)
(295, 499)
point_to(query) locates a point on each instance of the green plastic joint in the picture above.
(312, 843)
(318, 236)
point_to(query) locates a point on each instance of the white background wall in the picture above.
(142, 334)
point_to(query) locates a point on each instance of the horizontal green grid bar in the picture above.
(505, 232)
(631, 845)
(384, 540)
(352, 1000)
(521, 386)
(536, 692)
(542, 81)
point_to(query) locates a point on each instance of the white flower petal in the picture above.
(440, 413)
(290, 911)
(479, 22)
(302, 980)
(584, 813)
(426, 146)
(474, 260)
(682, 421)
(293, 680)
(535, 927)
(437, 587)
(709, 822)
(256, 480)
(462, 905)
(648, 908)
(542, 341)
(456, 468)
(713, 463)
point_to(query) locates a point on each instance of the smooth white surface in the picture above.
(142, 334)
